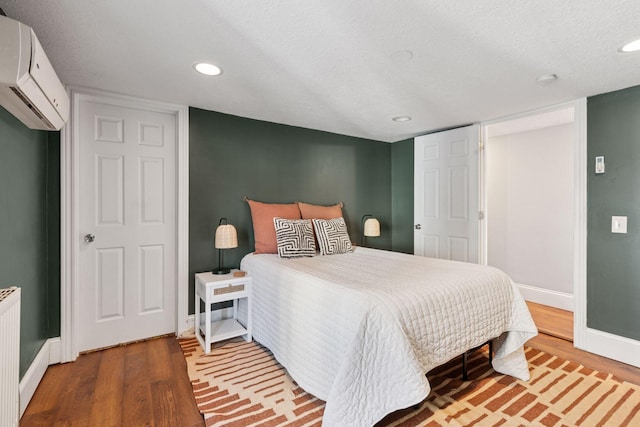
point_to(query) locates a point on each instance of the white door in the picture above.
(128, 227)
(446, 210)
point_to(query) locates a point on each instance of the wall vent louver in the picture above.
(32, 107)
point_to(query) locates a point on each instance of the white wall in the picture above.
(530, 210)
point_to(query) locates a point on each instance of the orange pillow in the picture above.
(320, 212)
(264, 232)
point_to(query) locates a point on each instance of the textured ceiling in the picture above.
(531, 122)
(334, 65)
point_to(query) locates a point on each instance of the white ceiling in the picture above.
(332, 64)
(531, 122)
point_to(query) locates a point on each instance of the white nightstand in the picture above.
(213, 288)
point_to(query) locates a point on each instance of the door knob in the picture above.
(417, 226)
(89, 238)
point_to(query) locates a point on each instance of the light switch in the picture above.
(618, 224)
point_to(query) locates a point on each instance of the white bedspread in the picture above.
(360, 330)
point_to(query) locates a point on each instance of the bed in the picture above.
(360, 330)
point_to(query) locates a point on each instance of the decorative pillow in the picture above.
(264, 232)
(295, 237)
(322, 212)
(332, 236)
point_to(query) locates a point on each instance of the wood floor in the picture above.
(552, 321)
(556, 337)
(146, 383)
(141, 384)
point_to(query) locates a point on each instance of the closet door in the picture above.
(446, 209)
(128, 255)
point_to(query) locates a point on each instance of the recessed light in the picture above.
(546, 79)
(633, 46)
(401, 119)
(207, 69)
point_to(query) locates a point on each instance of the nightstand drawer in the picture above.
(228, 289)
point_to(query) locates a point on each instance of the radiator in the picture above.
(9, 357)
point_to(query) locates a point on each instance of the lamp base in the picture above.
(221, 270)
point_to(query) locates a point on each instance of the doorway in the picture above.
(529, 203)
(111, 210)
(128, 220)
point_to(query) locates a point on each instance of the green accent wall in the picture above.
(232, 157)
(29, 234)
(53, 233)
(613, 270)
(402, 196)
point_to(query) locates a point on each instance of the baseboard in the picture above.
(185, 326)
(215, 315)
(55, 351)
(189, 324)
(548, 297)
(49, 354)
(222, 313)
(612, 346)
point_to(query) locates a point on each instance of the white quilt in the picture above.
(360, 330)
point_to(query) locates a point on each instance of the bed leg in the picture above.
(465, 377)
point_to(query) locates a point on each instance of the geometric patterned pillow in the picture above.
(294, 237)
(332, 236)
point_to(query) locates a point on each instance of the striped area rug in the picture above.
(241, 384)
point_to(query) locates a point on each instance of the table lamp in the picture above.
(370, 227)
(226, 238)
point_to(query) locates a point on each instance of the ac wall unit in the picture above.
(29, 86)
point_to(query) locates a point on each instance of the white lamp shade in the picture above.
(226, 237)
(371, 227)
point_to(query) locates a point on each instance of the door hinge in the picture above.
(481, 215)
(481, 146)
